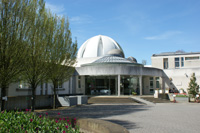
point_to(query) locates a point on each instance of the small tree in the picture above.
(193, 86)
(144, 62)
(35, 68)
(62, 53)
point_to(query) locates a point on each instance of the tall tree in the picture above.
(14, 26)
(62, 53)
(35, 68)
(193, 86)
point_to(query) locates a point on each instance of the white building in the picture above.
(178, 66)
(102, 69)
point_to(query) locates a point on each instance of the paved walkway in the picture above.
(142, 118)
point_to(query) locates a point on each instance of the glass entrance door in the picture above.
(101, 85)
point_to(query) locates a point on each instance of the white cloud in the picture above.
(55, 8)
(81, 19)
(163, 36)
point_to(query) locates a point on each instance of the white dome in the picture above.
(97, 46)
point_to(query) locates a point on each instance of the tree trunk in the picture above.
(54, 97)
(3, 94)
(33, 99)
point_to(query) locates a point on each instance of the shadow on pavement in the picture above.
(96, 111)
(126, 124)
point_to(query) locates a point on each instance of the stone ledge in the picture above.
(88, 125)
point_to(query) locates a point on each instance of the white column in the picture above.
(118, 85)
(140, 84)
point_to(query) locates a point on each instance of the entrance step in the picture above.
(106, 100)
(156, 100)
(139, 99)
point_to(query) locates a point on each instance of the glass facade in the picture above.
(101, 85)
(129, 84)
(108, 85)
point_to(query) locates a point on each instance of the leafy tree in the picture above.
(193, 86)
(14, 26)
(144, 62)
(62, 53)
(35, 68)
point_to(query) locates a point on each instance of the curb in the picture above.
(142, 101)
(88, 125)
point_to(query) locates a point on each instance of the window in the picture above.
(177, 64)
(60, 84)
(165, 63)
(46, 88)
(157, 82)
(41, 85)
(24, 85)
(79, 82)
(192, 58)
(46, 85)
(151, 84)
(182, 61)
(41, 88)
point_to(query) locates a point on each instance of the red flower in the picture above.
(63, 119)
(74, 118)
(27, 110)
(40, 116)
(31, 120)
(66, 126)
(56, 121)
(69, 123)
(60, 119)
(58, 113)
(46, 113)
(67, 120)
(64, 132)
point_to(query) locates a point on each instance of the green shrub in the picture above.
(27, 122)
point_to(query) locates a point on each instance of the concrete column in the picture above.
(118, 85)
(140, 84)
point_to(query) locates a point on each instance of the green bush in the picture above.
(181, 96)
(28, 122)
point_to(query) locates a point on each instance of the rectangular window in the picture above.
(165, 63)
(157, 82)
(60, 84)
(182, 61)
(41, 85)
(151, 84)
(46, 88)
(177, 64)
(23, 85)
(79, 82)
(192, 58)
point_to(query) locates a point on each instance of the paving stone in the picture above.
(141, 118)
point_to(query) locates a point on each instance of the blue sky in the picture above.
(141, 27)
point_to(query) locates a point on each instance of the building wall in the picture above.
(178, 77)
(157, 61)
(80, 88)
(67, 88)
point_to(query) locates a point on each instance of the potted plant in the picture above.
(134, 93)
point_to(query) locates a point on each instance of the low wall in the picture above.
(164, 96)
(24, 102)
(82, 100)
(99, 126)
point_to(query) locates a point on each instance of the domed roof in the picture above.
(97, 46)
(132, 59)
(116, 52)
